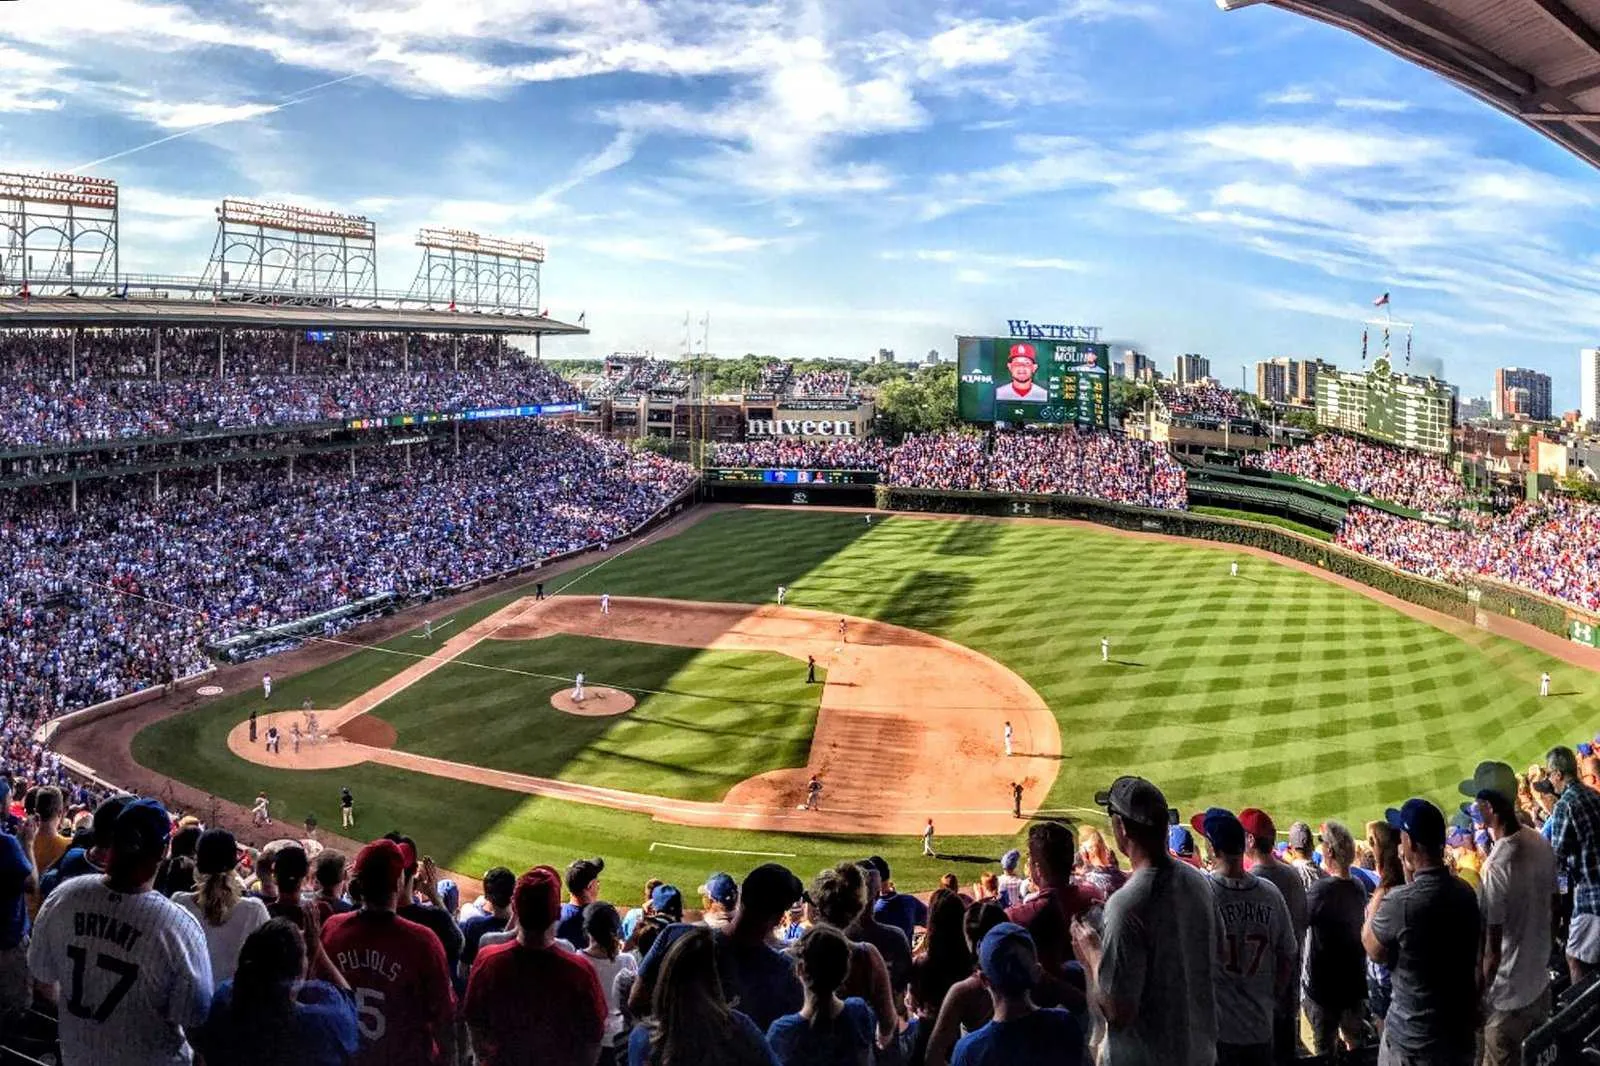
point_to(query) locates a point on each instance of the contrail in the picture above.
(299, 97)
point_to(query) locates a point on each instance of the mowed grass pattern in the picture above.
(704, 720)
(1276, 688)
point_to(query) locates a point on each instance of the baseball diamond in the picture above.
(1277, 687)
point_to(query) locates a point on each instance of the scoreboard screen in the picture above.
(1023, 380)
(792, 477)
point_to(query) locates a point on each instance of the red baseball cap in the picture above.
(1023, 351)
(537, 898)
(380, 865)
(1258, 823)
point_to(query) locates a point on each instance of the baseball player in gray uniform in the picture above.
(129, 966)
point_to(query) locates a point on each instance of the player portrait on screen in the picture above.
(1023, 362)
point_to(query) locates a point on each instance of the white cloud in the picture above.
(1307, 148)
(1003, 263)
(183, 116)
(1159, 200)
(1291, 97)
(1371, 103)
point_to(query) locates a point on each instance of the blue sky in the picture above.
(826, 177)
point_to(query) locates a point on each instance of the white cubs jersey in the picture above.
(132, 970)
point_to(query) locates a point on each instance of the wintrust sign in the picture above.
(800, 427)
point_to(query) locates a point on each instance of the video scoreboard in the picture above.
(1032, 380)
(792, 477)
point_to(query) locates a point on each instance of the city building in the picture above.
(1272, 380)
(1589, 384)
(1476, 407)
(932, 358)
(1133, 365)
(1518, 391)
(1413, 412)
(1191, 369)
(1290, 381)
(885, 355)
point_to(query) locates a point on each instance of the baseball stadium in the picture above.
(297, 561)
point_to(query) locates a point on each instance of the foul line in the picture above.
(654, 844)
(424, 635)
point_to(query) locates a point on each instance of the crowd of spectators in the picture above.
(1551, 547)
(824, 383)
(632, 374)
(1211, 938)
(950, 461)
(1210, 401)
(855, 453)
(1100, 466)
(1067, 461)
(108, 390)
(1409, 478)
(127, 591)
(775, 376)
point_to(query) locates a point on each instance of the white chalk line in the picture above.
(654, 844)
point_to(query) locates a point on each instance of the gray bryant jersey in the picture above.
(1255, 949)
(132, 969)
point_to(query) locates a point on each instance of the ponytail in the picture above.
(218, 895)
(824, 961)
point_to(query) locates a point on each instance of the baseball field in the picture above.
(1276, 688)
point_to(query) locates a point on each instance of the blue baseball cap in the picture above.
(1219, 826)
(721, 888)
(1585, 749)
(1008, 959)
(1179, 841)
(666, 899)
(1010, 859)
(142, 830)
(1421, 821)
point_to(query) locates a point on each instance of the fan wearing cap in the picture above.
(1023, 363)
(528, 1001)
(1255, 973)
(130, 966)
(583, 886)
(396, 967)
(1573, 830)
(1020, 1032)
(1151, 971)
(755, 976)
(718, 896)
(1519, 880)
(1426, 932)
(1013, 887)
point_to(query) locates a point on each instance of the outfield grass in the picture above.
(704, 721)
(1275, 689)
(1266, 519)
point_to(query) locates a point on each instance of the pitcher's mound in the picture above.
(370, 730)
(597, 702)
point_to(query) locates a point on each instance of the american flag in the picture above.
(1382, 301)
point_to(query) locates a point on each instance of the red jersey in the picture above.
(536, 1005)
(1048, 919)
(401, 983)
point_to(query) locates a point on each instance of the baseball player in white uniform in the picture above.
(261, 813)
(1008, 740)
(427, 628)
(266, 686)
(1233, 569)
(927, 838)
(130, 967)
(1544, 684)
(1105, 649)
(605, 603)
(783, 594)
(577, 689)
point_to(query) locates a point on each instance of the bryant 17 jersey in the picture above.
(132, 969)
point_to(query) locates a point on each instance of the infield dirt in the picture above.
(910, 726)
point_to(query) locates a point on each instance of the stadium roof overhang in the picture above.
(110, 313)
(1536, 60)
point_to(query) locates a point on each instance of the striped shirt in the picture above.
(133, 971)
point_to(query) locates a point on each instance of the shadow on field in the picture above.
(970, 538)
(1127, 662)
(929, 601)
